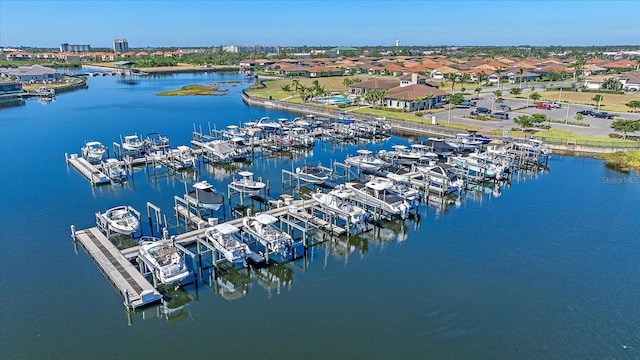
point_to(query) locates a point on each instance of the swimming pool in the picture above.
(333, 100)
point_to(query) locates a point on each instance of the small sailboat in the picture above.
(226, 239)
(167, 259)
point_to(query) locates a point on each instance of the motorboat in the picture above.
(182, 157)
(262, 227)
(463, 142)
(365, 160)
(402, 187)
(205, 196)
(533, 147)
(313, 174)
(476, 164)
(121, 219)
(265, 124)
(339, 201)
(93, 151)
(166, 258)
(155, 142)
(473, 135)
(115, 170)
(132, 143)
(401, 154)
(246, 183)
(226, 239)
(378, 193)
(440, 177)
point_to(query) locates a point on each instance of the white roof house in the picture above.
(34, 73)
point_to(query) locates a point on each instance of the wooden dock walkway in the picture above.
(90, 171)
(133, 287)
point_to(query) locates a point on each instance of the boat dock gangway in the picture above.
(128, 281)
(90, 171)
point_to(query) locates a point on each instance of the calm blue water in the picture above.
(547, 268)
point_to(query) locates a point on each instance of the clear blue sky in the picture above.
(330, 23)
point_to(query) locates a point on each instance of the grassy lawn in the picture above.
(610, 102)
(193, 89)
(564, 136)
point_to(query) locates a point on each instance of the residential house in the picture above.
(412, 79)
(414, 97)
(362, 87)
(32, 74)
(631, 81)
(323, 71)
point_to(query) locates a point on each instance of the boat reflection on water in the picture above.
(230, 283)
(173, 307)
(221, 172)
(274, 277)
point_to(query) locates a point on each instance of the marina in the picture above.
(533, 248)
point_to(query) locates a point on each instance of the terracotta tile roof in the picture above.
(414, 91)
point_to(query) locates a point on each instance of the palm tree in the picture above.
(499, 72)
(477, 92)
(520, 72)
(296, 84)
(453, 78)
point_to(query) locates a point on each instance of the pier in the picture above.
(90, 171)
(129, 282)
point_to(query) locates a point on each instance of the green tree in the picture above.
(598, 99)
(579, 117)
(526, 122)
(286, 88)
(535, 96)
(515, 91)
(453, 78)
(477, 92)
(611, 84)
(633, 104)
(497, 93)
(456, 99)
(625, 126)
(520, 72)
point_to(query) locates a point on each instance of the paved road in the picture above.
(597, 127)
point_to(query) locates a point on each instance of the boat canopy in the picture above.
(266, 219)
(226, 229)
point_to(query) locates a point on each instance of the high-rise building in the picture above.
(74, 48)
(120, 45)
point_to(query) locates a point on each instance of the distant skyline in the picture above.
(319, 23)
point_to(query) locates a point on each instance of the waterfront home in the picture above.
(32, 74)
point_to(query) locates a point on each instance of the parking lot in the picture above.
(597, 126)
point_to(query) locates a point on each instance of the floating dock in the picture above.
(90, 171)
(133, 287)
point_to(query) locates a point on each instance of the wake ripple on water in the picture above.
(446, 327)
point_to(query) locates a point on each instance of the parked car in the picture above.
(543, 106)
(500, 115)
(466, 104)
(504, 107)
(484, 110)
(603, 115)
(554, 105)
(586, 112)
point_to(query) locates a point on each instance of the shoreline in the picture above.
(413, 128)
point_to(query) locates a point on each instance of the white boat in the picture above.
(402, 187)
(339, 200)
(378, 193)
(132, 143)
(533, 147)
(155, 142)
(402, 154)
(262, 227)
(265, 124)
(365, 160)
(205, 196)
(121, 219)
(440, 178)
(182, 157)
(226, 239)
(115, 170)
(313, 174)
(167, 259)
(480, 165)
(464, 142)
(247, 184)
(93, 151)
